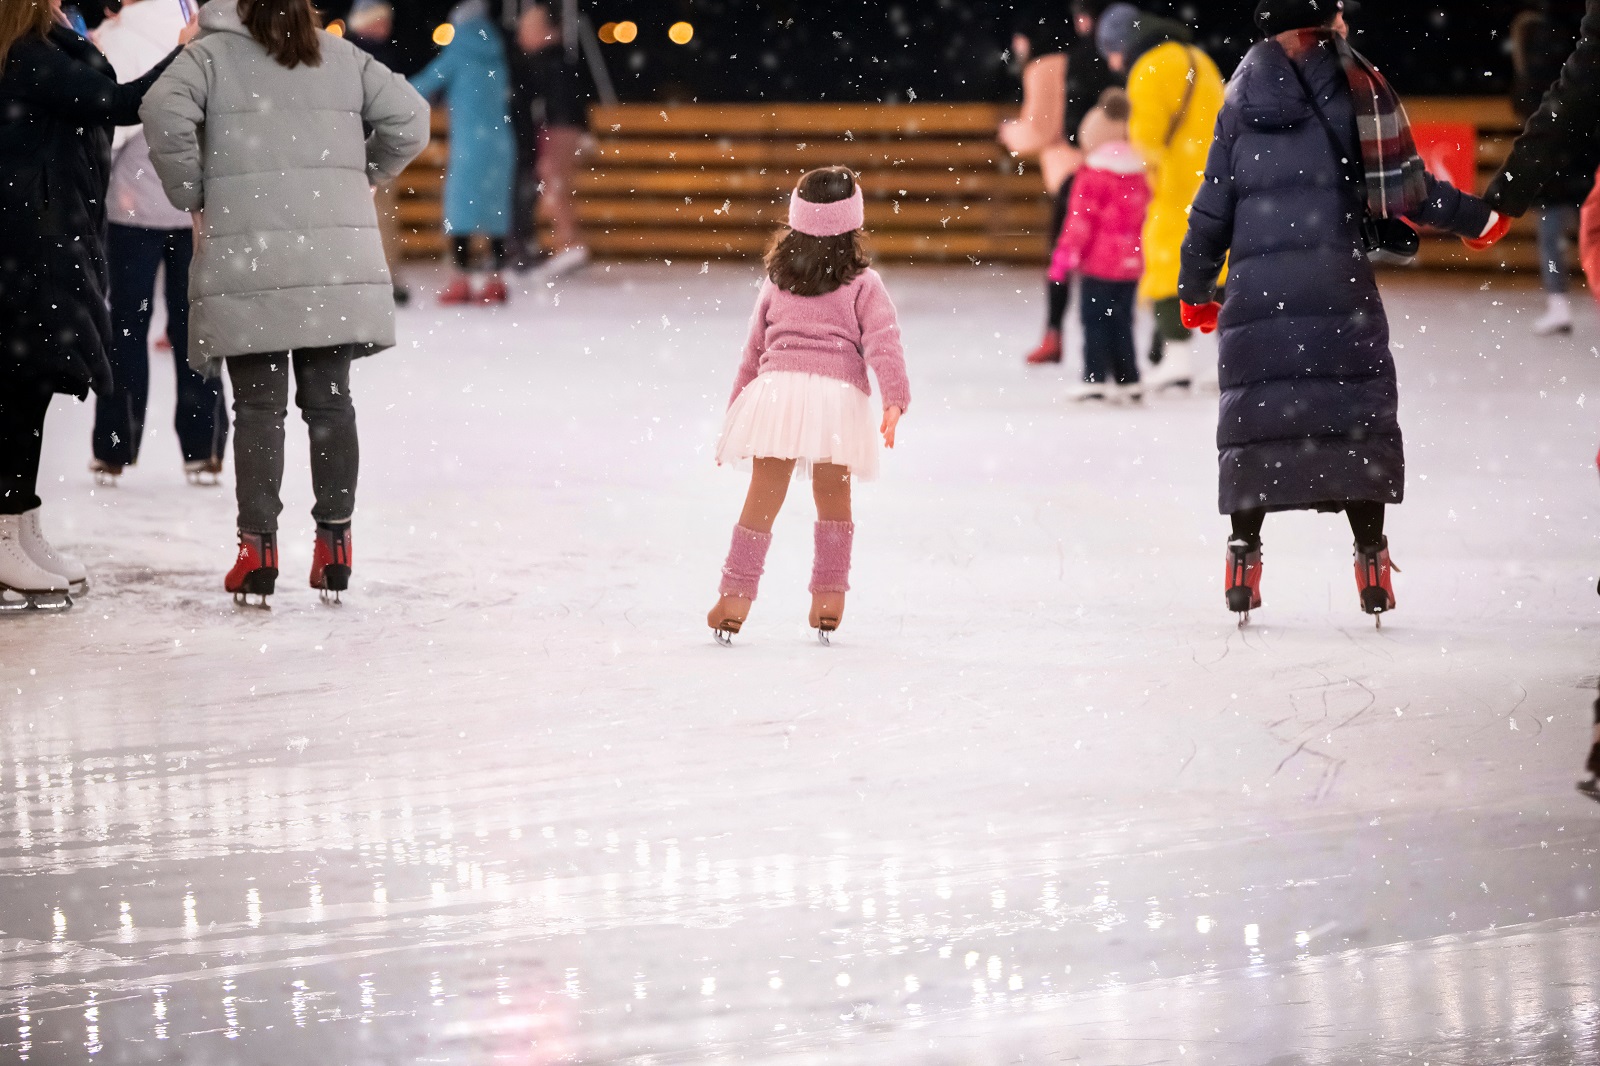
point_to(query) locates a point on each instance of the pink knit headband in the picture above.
(827, 220)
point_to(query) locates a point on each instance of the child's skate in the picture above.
(1373, 580)
(255, 571)
(741, 580)
(830, 576)
(330, 561)
(105, 474)
(1243, 579)
(203, 472)
(24, 584)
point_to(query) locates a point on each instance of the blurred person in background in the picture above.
(1540, 44)
(473, 76)
(59, 101)
(370, 27)
(550, 96)
(1063, 75)
(1176, 92)
(289, 273)
(146, 236)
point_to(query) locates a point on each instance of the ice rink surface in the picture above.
(1041, 802)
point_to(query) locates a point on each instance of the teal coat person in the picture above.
(475, 79)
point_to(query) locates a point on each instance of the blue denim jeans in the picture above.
(1556, 226)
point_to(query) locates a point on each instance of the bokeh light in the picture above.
(336, 27)
(626, 32)
(681, 33)
(608, 33)
(443, 34)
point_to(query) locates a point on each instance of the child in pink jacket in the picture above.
(802, 404)
(1100, 242)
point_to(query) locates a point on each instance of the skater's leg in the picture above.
(1247, 526)
(746, 561)
(1058, 296)
(1366, 522)
(769, 487)
(834, 535)
(201, 418)
(133, 257)
(322, 392)
(24, 400)
(1119, 298)
(1097, 334)
(1374, 582)
(558, 168)
(260, 404)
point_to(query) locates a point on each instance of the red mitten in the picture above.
(1502, 226)
(1202, 318)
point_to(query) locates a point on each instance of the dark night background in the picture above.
(945, 50)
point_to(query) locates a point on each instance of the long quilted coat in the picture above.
(1309, 409)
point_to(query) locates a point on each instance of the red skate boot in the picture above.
(255, 572)
(494, 291)
(330, 561)
(1373, 580)
(1049, 350)
(459, 291)
(1243, 580)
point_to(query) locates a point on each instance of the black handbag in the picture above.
(1385, 240)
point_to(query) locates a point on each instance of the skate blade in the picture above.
(723, 636)
(1590, 788)
(826, 630)
(204, 480)
(1244, 619)
(48, 602)
(242, 599)
(331, 597)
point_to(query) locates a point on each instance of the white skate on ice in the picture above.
(48, 558)
(24, 584)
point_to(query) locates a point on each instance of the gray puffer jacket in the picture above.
(289, 255)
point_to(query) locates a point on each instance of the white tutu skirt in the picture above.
(809, 418)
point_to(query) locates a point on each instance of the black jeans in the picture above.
(201, 419)
(1366, 522)
(1107, 311)
(23, 403)
(260, 405)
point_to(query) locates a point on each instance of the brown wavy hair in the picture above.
(22, 18)
(814, 266)
(287, 29)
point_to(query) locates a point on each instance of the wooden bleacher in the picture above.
(712, 181)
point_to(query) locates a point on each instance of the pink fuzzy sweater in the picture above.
(837, 335)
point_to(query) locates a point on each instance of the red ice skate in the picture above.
(1373, 580)
(255, 571)
(1243, 578)
(330, 561)
(459, 291)
(1049, 350)
(494, 291)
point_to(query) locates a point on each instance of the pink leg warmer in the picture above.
(747, 559)
(830, 571)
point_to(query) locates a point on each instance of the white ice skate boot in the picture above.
(1175, 371)
(562, 263)
(1557, 317)
(24, 584)
(1086, 392)
(39, 550)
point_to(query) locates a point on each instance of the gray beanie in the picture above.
(1115, 31)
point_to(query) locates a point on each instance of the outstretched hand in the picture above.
(891, 419)
(1202, 318)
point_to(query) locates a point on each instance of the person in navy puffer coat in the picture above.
(1309, 408)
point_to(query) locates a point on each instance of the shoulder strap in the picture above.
(1349, 165)
(1188, 97)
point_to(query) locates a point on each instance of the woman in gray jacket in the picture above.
(257, 128)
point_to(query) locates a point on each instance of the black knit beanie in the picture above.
(1280, 16)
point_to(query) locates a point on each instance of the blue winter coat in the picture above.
(475, 79)
(1308, 415)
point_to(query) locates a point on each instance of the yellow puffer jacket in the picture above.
(1155, 89)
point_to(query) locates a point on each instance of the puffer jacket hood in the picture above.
(1268, 96)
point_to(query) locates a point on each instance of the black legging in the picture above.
(1366, 522)
(23, 403)
(1058, 294)
(461, 250)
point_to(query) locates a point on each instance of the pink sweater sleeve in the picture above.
(1076, 232)
(755, 345)
(880, 342)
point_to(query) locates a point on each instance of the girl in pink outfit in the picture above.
(1100, 242)
(802, 404)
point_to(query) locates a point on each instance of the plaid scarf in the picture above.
(1396, 176)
